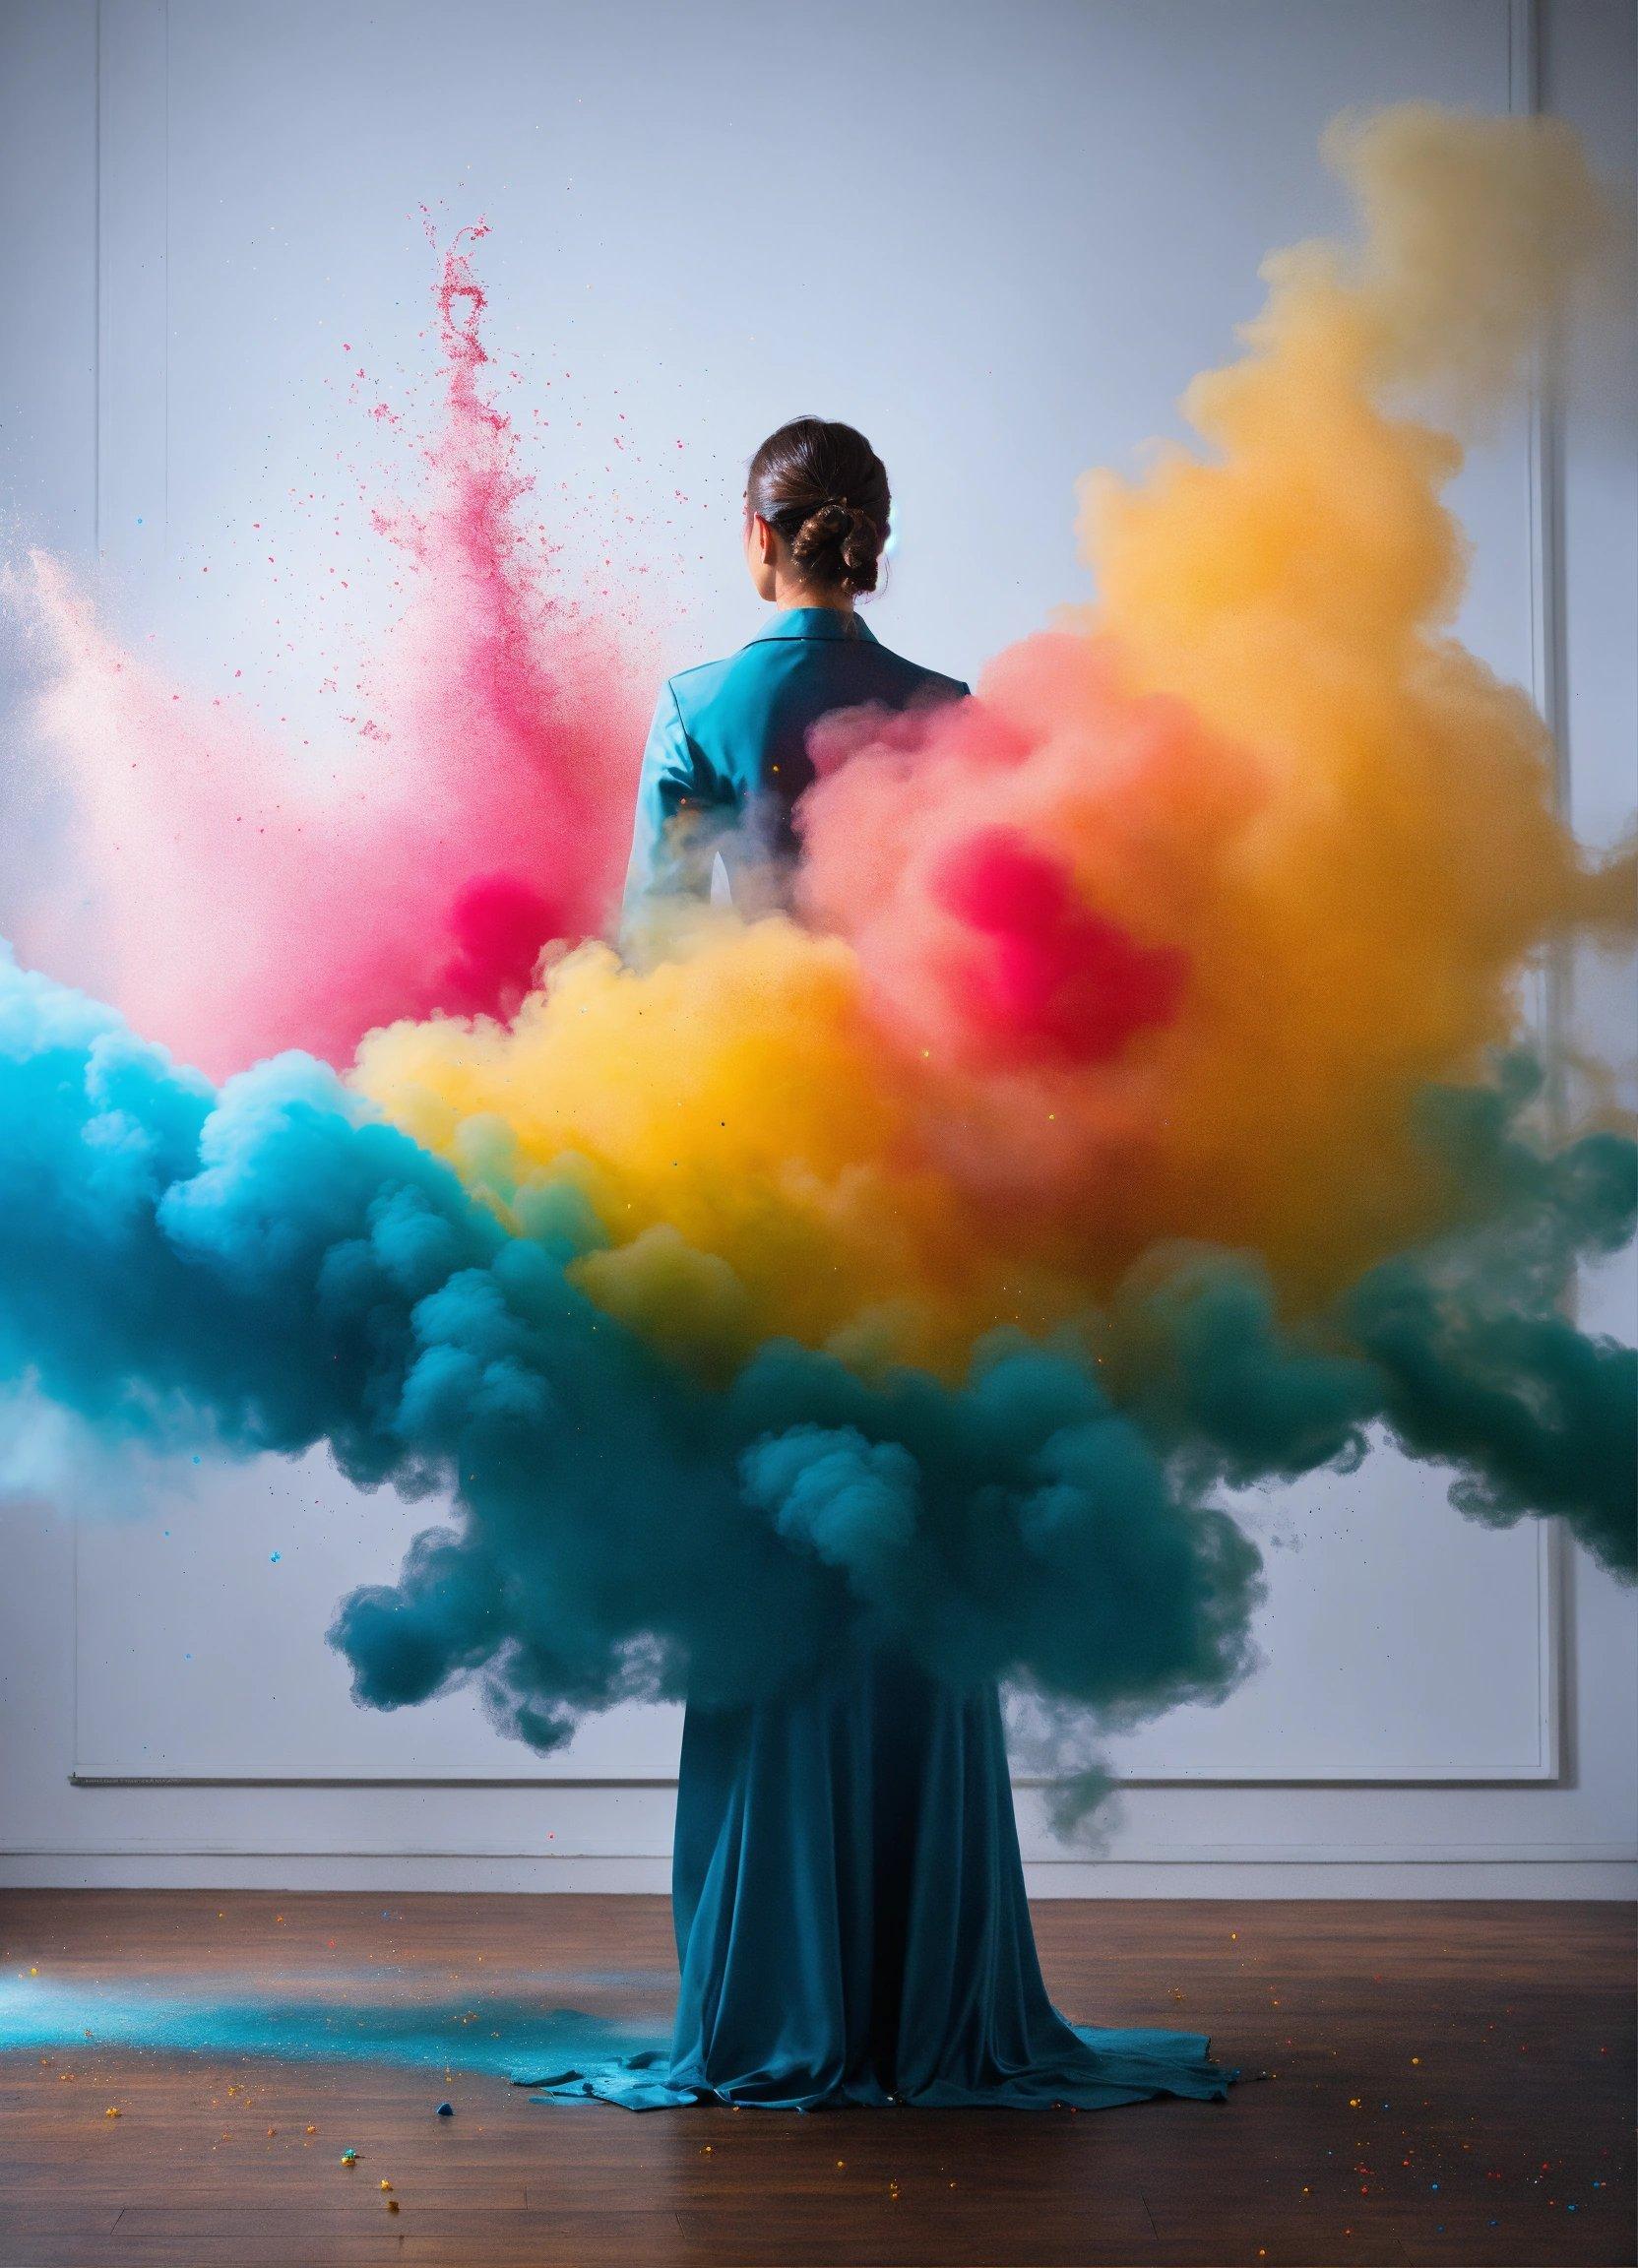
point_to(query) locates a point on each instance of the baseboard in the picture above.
(1595, 1878)
(1592, 1877)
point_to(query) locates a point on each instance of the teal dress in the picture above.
(847, 1888)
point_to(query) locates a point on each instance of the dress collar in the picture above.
(816, 622)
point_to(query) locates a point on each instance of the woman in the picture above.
(848, 1893)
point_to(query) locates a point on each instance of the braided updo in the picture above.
(823, 489)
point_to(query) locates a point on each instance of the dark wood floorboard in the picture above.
(1450, 2083)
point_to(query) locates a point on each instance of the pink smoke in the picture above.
(1041, 973)
(1003, 864)
(1030, 879)
(483, 812)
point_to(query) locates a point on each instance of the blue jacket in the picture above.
(727, 751)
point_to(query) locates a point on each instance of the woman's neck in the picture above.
(790, 595)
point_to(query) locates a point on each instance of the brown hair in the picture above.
(823, 489)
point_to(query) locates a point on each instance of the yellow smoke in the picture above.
(743, 1137)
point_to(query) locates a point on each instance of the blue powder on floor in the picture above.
(482, 2034)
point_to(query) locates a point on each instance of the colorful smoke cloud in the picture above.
(1140, 1102)
(1160, 937)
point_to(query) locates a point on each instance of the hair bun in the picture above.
(827, 523)
(804, 480)
(839, 544)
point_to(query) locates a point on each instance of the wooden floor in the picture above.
(1447, 2083)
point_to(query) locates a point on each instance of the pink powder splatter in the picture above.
(497, 924)
(1040, 973)
(483, 813)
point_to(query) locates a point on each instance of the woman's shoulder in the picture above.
(766, 661)
(928, 684)
(698, 682)
(744, 677)
(912, 680)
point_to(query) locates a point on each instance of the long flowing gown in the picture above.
(849, 1897)
(851, 1924)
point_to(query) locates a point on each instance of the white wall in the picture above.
(1047, 217)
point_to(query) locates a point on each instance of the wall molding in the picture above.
(1513, 1851)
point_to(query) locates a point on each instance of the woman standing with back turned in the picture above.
(849, 1898)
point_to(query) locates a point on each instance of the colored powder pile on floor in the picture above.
(495, 2033)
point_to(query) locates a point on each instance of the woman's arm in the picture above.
(674, 842)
